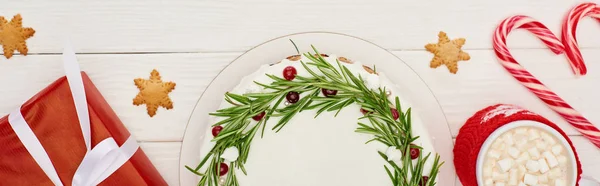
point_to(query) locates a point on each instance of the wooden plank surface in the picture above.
(228, 25)
(191, 41)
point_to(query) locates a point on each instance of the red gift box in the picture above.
(52, 116)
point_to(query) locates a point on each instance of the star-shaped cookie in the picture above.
(153, 92)
(13, 35)
(447, 52)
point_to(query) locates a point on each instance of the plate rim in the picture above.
(179, 168)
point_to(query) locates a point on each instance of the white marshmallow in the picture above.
(522, 170)
(534, 153)
(554, 173)
(540, 144)
(543, 178)
(543, 165)
(532, 166)
(500, 184)
(521, 130)
(520, 139)
(505, 164)
(508, 139)
(487, 171)
(513, 177)
(514, 152)
(496, 144)
(551, 159)
(489, 182)
(393, 154)
(496, 176)
(533, 134)
(523, 158)
(560, 182)
(549, 139)
(491, 162)
(230, 154)
(530, 179)
(557, 149)
(562, 160)
(494, 154)
(521, 184)
(502, 146)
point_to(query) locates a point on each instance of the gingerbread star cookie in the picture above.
(447, 52)
(153, 92)
(13, 35)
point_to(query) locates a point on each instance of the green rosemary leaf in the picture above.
(241, 165)
(324, 108)
(384, 142)
(345, 103)
(317, 105)
(204, 159)
(394, 181)
(193, 171)
(259, 95)
(371, 140)
(321, 78)
(238, 98)
(383, 155)
(223, 135)
(268, 86)
(228, 120)
(338, 105)
(224, 114)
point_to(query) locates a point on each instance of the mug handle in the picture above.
(588, 181)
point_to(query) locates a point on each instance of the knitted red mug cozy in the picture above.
(481, 125)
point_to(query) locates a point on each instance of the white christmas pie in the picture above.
(275, 129)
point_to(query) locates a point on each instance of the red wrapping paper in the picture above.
(52, 116)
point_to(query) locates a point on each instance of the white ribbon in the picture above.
(99, 162)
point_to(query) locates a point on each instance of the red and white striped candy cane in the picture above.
(569, 38)
(538, 88)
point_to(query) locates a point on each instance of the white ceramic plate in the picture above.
(414, 89)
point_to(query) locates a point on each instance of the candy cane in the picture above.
(540, 90)
(569, 38)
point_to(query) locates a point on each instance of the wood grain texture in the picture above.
(482, 82)
(113, 75)
(228, 25)
(165, 157)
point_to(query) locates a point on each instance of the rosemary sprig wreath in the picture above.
(378, 121)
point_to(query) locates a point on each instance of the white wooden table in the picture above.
(190, 41)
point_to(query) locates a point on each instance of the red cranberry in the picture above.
(289, 73)
(395, 113)
(423, 182)
(216, 130)
(292, 97)
(224, 169)
(414, 153)
(259, 116)
(327, 92)
(364, 111)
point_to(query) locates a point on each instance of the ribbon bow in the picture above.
(99, 162)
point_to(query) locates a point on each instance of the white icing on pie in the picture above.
(318, 151)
